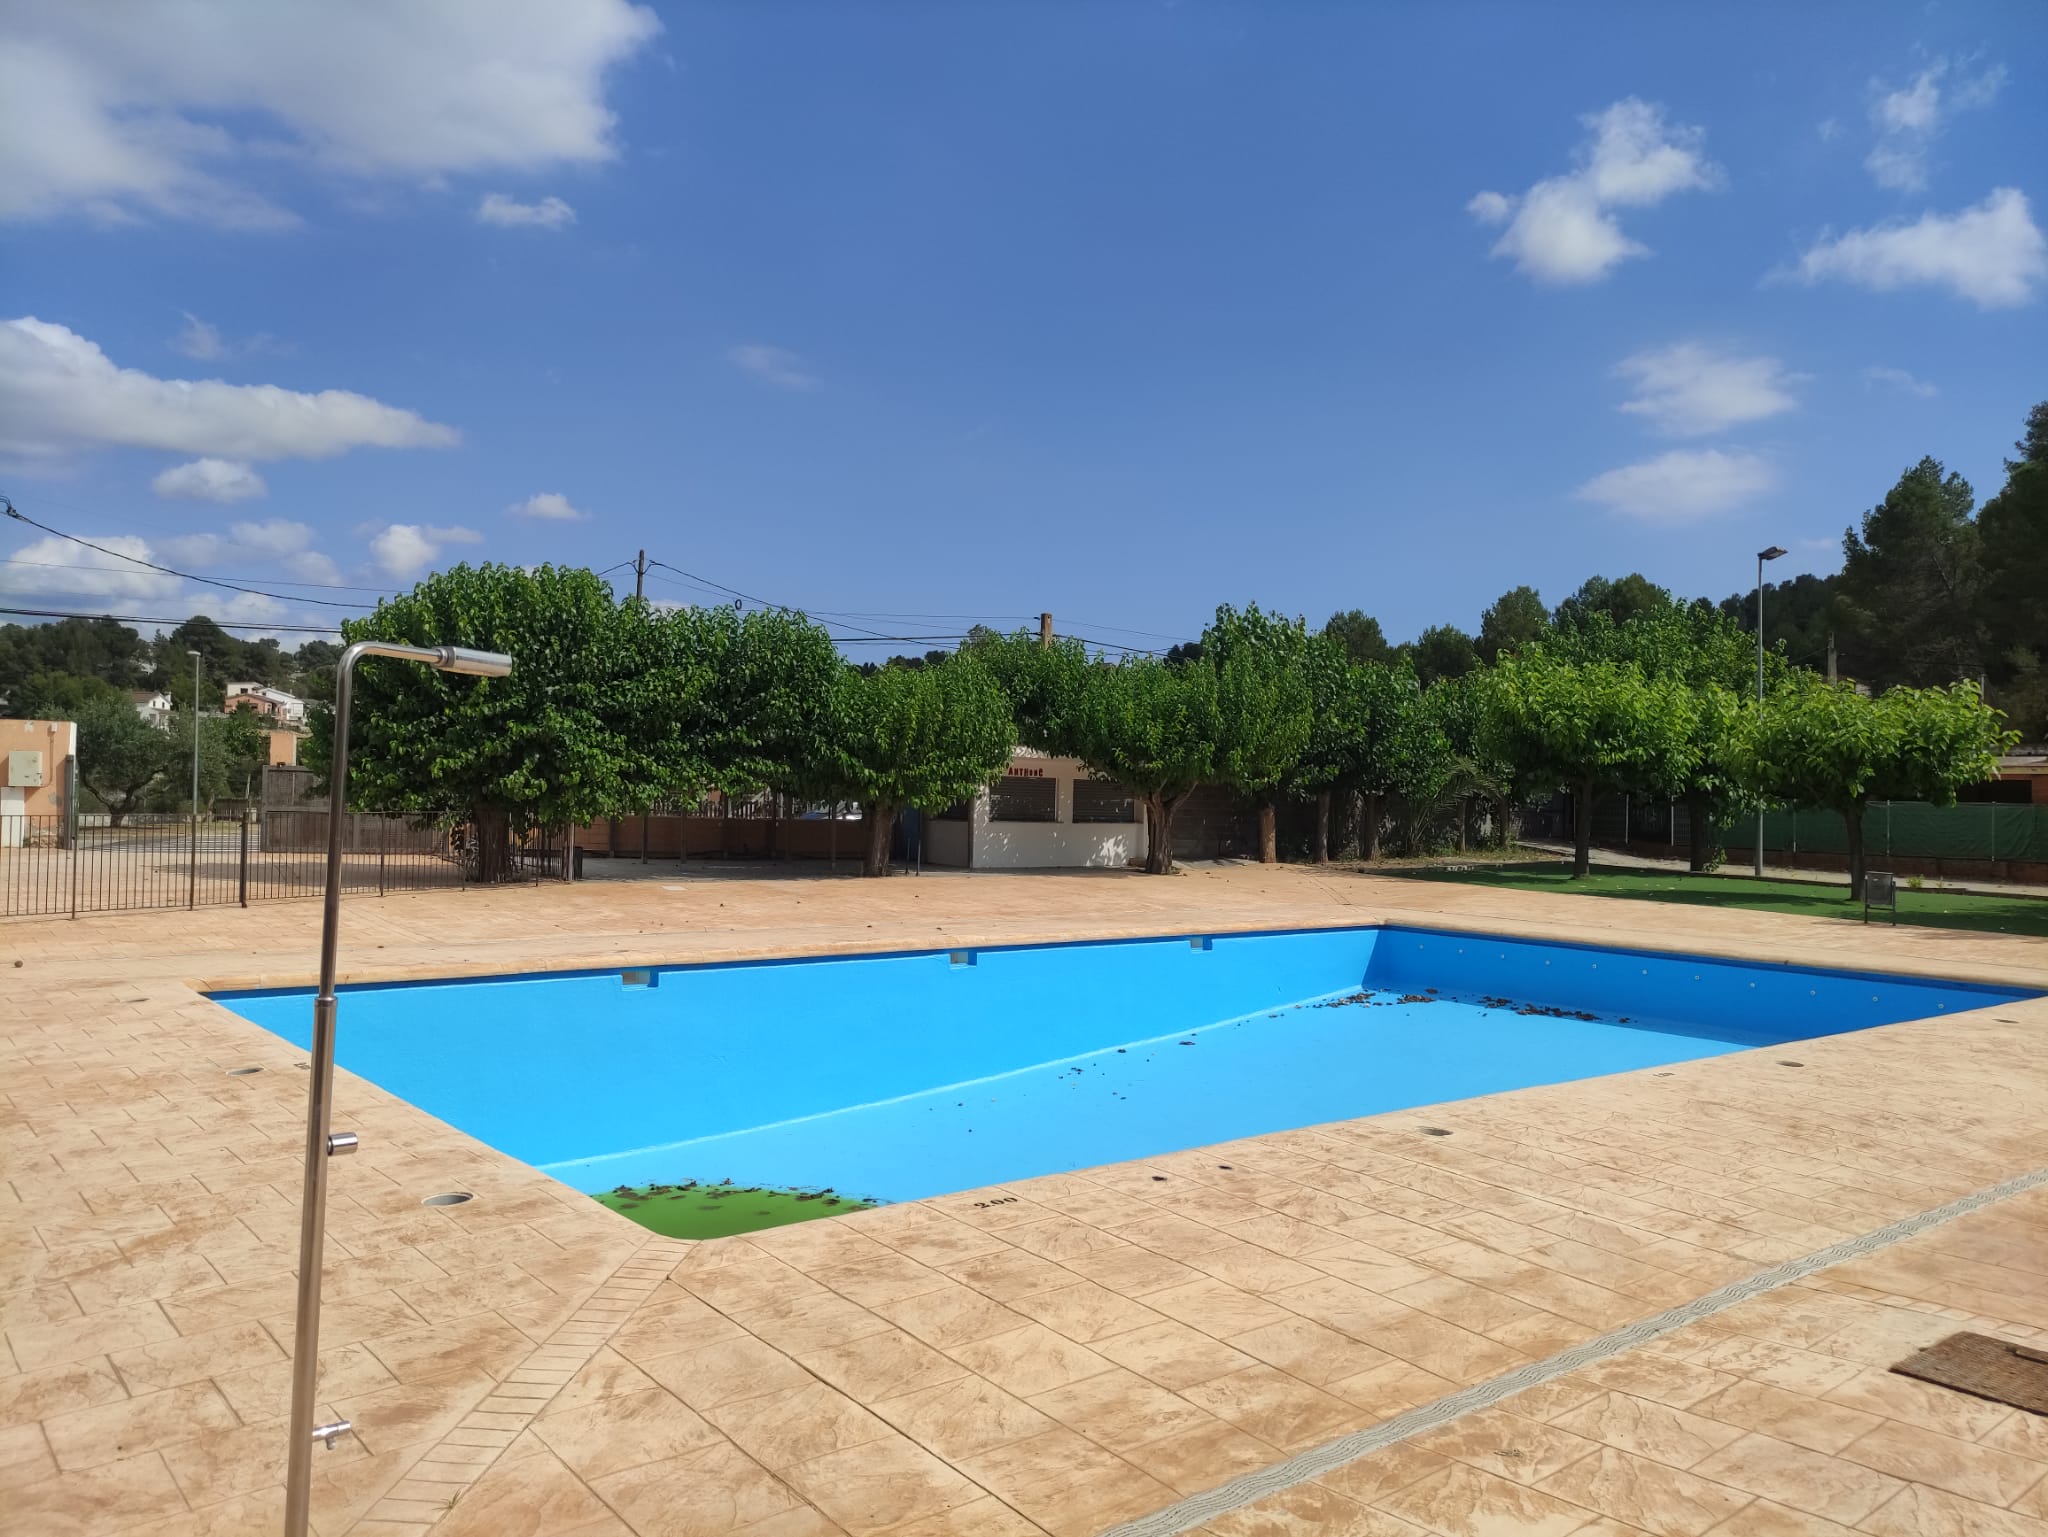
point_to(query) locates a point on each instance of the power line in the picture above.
(225, 624)
(21, 517)
(58, 565)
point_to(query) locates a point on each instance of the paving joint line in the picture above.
(480, 1428)
(1192, 1512)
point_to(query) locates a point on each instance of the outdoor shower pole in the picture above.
(1761, 556)
(320, 1144)
(192, 870)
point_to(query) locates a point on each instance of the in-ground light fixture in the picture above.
(321, 1145)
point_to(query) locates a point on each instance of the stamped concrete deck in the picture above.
(1059, 1356)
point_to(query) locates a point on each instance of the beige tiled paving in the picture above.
(1054, 1357)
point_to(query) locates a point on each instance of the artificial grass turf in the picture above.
(719, 1211)
(1929, 908)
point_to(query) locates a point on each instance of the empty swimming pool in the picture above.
(897, 1076)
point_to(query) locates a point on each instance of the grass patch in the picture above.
(695, 1210)
(1926, 908)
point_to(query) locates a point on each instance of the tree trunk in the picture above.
(881, 827)
(1582, 830)
(1322, 827)
(1464, 817)
(1269, 835)
(1369, 828)
(1700, 834)
(1158, 835)
(493, 844)
(1852, 820)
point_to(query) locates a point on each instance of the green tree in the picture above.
(1831, 748)
(1044, 685)
(119, 754)
(1910, 581)
(232, 751)
(1620, 600)
(1707, 651)
(2013, 532)
(83, 648)
(1439, 652)
(1151, 727)
(1591, 728)
(1511, 621)
(1339, 719)
(924, 737)
(1360, 636)
(1404, 758)
(561, 740)
(59, 696)
(1262, 707)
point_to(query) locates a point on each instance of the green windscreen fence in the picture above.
(1912, 829)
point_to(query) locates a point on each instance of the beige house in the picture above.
(35, 760)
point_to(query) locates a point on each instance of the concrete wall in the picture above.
(1061, 844)
(54, 741)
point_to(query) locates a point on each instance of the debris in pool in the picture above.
(1187, 1043)
(1417, 998)
(1120, 1050)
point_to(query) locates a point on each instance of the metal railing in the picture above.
(148, 860)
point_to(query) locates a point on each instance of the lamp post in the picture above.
(320, 1144)
(192, 865)
(1761, 556)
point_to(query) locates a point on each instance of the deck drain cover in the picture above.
(448, 1198)
(1435, 1131)
(1984, 1367)
(243, 1072)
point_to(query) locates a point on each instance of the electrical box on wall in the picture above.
(25, 769)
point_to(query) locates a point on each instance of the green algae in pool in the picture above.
(694, 1210)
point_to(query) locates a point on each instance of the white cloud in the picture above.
(1689, 390)
(1909, 118)
(510, 213)
(773, 365)
(312, 566)
(202, 340)
(58, 566)
(197, 339)
(116, 113)
(1563, 230)
(1682, 486)
(211, 480)
(1992, 254)
(404, 550)
(273, 536)
(1829, 129)
(549, 507)
(1899, 379)
(59, 392)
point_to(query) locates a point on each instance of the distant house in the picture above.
(1043, 813)
(153, 706)
(272, 703)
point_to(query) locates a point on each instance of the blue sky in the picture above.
(901, 310)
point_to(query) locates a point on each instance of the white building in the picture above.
(1044, 813)
(285, 709)
(154, 707)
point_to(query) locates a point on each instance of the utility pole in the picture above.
(1045, 631)
(1761, 556)
(640, 574)
(1831, 656)
(192, 869)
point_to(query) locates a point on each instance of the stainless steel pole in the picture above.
(298, 1496)
(322, 1145)
(192, 869)
(1759, 872)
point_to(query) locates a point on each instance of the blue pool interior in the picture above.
(894, 1077)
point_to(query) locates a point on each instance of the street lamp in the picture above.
(192, 866)
(320, 1145)
(1761, 556)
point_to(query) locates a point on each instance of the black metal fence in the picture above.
(50, 868)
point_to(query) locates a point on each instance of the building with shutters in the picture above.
(1043, 814)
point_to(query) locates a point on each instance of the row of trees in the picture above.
(612, 707)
